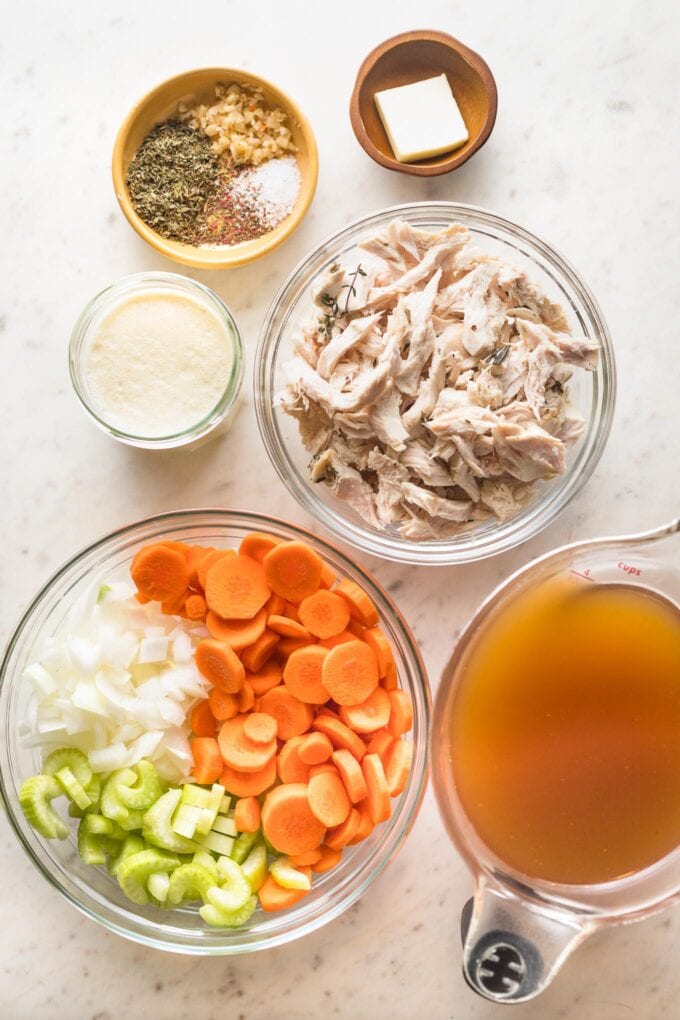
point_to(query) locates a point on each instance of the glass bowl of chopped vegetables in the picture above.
(159, 649)
(434, 383)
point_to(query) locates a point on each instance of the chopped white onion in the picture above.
(153, 648)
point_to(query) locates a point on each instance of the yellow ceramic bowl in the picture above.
(199, 86)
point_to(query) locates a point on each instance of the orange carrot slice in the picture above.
(287, 646)
(329, 859)
(375, 639)
(222, 705)
(207, 759)
(302, 674)
(285, 627)
(288, 821)
(344, 833)
(160, 573)
(323, 766)
(290, 767)
(239, 751)
(371, 715)
(328, 576)
(324, 614)
(315, 748)
(195, 607)
(238, 634)
(248, 784)
(339, 639)
(270, 675)
(310, 857)
(274, 897)
(366, 826)
(293, 570)
(247, 814)
(360, 605)
(328, 799)
(340, 735)
(351, 775)
(202, 721)
(378, 800)
(258, 654)
(275, 605)
(350, 673)
(398, 767)
(245, 697)
(205, 562)
(220, 665)
(381, 744)
(390, 680)
(293, 717)
(401, 715)
(257, 544)
(260, 727)
(235, 587)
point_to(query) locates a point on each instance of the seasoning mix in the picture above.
(218, 174)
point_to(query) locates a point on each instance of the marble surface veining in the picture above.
(585, 153)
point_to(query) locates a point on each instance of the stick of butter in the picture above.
(421, 119)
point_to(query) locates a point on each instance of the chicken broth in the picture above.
(565, 731)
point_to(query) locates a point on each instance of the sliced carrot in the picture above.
(238, 634)
(293, 570)
(174, 607)
(324, 614)
(360, 605)
(260, 727)
(235, 587)
(378, 800)
(293, 716)
(239, 751)
(401, 715)
(371, 715)
(269, 676)
(356, 628)
(220, 665)
(350, 672)
(398, 766)
(142, 598)
(207, 561)
(194, 554)
(381, 744)
(339, 639)
(341, 835)
(291, 611)
(323, 766)
(248, 784)
(160, 573)
(329, 859)
(340, 735)
(328, 576)
(257, 544)
(274, 897)
(309, 857)
(302, 674)
(288, 821)
(375, 639)
(285, 627)
(290, 767)
(222, 705)
(195, 607)
(247, 814)
(275, 605)
(366, 826)
(315, 748)
(351, 774)
(287, 646)
(328, 799)
(390, 681)
(208, 762)
(245, 697)
(255, 657)
(202, 721)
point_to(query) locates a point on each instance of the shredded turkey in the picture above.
(431, 386)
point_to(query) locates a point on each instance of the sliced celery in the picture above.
(234, 887)
(204, 805)
(219, 918)
(71, 758)
(255, 866)
(134, 871)
(157, 825)
(110, 803)
(90, 832)
(132, 844)
(225, 826)
(217, 842)
(158, 885)
(207, 861)
(73, 789)
(243, 845)
(35, 797)
(144, 791)
(288, 877)
(190, 882)
(185, 818)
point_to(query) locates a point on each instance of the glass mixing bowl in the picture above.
(593, 393)
(91, 889)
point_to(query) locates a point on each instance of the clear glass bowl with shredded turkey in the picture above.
(591, 393)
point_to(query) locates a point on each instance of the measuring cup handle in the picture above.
(512, 949)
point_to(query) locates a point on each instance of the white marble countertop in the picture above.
(585, 153)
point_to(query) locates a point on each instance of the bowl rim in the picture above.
(355, 884)
(443, 552)
(456, 159)
(232, 257)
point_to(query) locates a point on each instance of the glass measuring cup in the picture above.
(518, 930)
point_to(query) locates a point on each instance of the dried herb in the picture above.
(328, 320)
(497, 356)
(171, 177)
(229, 217)
(351, 287)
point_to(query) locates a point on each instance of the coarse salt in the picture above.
(272, 187)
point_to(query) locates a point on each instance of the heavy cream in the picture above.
(157, 363)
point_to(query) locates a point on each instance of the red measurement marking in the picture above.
(585, 575)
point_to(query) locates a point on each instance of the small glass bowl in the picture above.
(91, 889)
(139, 283)
(593, 393)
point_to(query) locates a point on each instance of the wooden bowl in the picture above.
(411, 57)
(199, 86)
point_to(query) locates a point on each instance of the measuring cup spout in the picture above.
(513, 948)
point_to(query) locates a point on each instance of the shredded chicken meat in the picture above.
(431, 385)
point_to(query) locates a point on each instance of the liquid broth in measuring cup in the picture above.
(565, 731)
